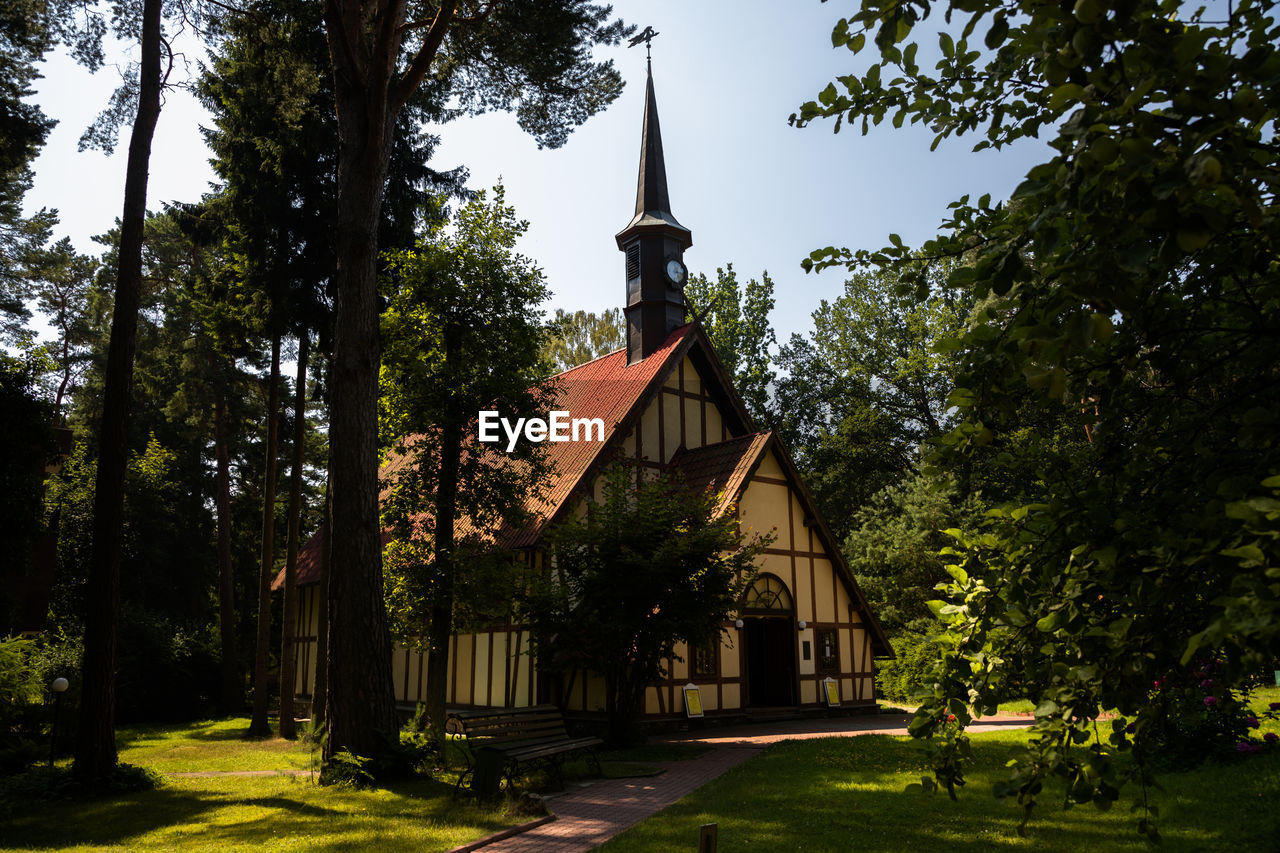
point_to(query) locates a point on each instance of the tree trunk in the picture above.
(232, 688)
(288, 617)
(441, 623)
(623, 697)
(361, 698)
(319, 691)
(95, 755)
(259, 726)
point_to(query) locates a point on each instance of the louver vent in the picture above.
(633, 262)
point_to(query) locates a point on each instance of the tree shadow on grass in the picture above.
(222, 813)
(204, 730)
(106, 820)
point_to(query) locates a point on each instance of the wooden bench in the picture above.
(504, 740)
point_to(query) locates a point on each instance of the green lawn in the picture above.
(260, 813)
(269, 812)
(209, 745)
(235, 812)
(834, 794)
(848, 793)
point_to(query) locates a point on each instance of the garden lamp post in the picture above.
(59, 686)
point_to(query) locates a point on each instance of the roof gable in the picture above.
(722, 468)
(606, 388)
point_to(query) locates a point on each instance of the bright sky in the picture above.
(753, 190)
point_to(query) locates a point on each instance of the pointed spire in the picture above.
(651, 190)
(653, 202)
(654, 244)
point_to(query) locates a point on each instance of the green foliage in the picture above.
(348, 770)
(62, 296)
(21, 694)
(26, 33)
(274, 142)
(462, 333)
(1126, 295)
(893, 549)
(580, 336)
(842, 443)
(869, 386)
(736, 319)
(532, 59)
(891, 342)
(26, 423)
(645, 567)
(904, 677)
(41, 786)
(167, 658)
(1199, 718)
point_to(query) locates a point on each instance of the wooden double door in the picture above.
(769, 645)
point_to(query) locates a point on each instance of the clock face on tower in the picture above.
(676, 272)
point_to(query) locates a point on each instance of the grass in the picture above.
(1262, 698)
(270, 813)
(832, 794)
(216, 745)
(1017, 706)
(279, 813)
(845, 793)
(267, 813)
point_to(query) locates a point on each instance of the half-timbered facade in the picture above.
(666, 402)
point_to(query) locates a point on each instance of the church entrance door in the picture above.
(770, 648)
(769, 643)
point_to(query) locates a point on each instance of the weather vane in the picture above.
(647, 37)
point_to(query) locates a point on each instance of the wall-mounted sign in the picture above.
(692, 700)
(831, 692)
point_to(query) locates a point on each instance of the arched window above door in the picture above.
(768, 594)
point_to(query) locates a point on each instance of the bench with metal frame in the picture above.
(498, 742)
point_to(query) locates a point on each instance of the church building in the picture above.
(803, 637)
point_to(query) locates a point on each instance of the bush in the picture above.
(166, 672)
(348, 770)
(1198, 718)
(43, 784)
(21, 706)
(901, 679)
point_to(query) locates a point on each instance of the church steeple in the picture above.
(654, 243)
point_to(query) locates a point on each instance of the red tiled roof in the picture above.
(722, 468)
(308, 562)
(607, 388)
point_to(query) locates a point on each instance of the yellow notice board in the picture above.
(692, 700)
(831, 691)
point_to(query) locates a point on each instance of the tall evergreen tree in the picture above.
(533, 57)
(26, 33)
(95, 744)
(275, 140)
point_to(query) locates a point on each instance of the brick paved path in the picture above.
(591, 815)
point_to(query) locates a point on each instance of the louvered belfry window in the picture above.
(633, 262)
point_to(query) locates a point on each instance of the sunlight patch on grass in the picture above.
(263, 813)
(836, 794)
(211, 745)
